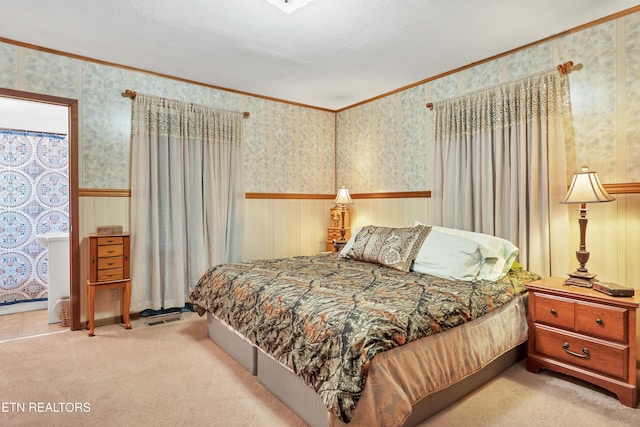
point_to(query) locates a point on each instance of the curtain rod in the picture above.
(128, 93)
(37, 132)
(562, 68)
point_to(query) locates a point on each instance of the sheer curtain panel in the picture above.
(187, 197)
(500, 165)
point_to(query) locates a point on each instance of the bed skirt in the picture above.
(451, 364)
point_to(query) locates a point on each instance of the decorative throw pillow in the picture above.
(389, 246)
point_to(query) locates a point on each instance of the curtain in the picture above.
(187, 197)
(500, 165)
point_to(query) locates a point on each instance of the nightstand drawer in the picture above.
(608, 358)
(602, 321)
(554, 311)
(334, 233)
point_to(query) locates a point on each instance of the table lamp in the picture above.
(343, 198)
(585, 188)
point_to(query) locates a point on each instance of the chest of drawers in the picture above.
(109, 257)
(335, 226)
(586, 334)
(109, 268)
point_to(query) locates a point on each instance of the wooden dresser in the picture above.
(586, 334)
(108, 269)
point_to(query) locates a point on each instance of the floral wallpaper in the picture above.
(8, 66)
(631, 107)
(384, 145)
(105, 128)
(48, 73)
(594, 92)
(279, 137)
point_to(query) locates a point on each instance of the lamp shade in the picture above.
(343, 197)
(586, 188)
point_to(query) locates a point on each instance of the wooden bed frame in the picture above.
(308, 405)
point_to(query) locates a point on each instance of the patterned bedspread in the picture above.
(326, 317)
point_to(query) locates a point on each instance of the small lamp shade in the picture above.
(343, 197)
(586, 188)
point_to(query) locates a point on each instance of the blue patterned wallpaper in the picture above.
(34, 199)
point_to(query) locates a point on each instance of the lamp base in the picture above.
(338, 245)
(579, 278)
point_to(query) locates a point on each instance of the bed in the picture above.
(380, 334)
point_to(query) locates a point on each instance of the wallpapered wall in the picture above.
(383, 145)
(386, 145)
(278, 137)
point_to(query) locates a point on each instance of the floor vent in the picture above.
(162, 318)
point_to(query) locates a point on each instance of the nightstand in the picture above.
(333, 231)
(585, 334)
(108, 269)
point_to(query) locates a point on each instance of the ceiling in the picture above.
(329, 54)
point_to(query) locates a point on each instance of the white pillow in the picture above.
(499, 253)
(349, 244)
(449, 256)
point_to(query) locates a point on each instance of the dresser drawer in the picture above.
(553, 310)
(110, 251)
(608, 358)
(602, 321)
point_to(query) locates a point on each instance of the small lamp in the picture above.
(343, 198)
(585, 188)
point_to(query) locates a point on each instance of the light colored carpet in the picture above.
(173, 375)
(518, 397)
(164, 375)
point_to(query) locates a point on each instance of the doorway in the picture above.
(70, 106)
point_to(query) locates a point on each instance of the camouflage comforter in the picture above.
(326, 317)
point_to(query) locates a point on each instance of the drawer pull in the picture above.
(599, 321)
(553, 311)
(585, 351)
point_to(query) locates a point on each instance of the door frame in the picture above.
(74, 240)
